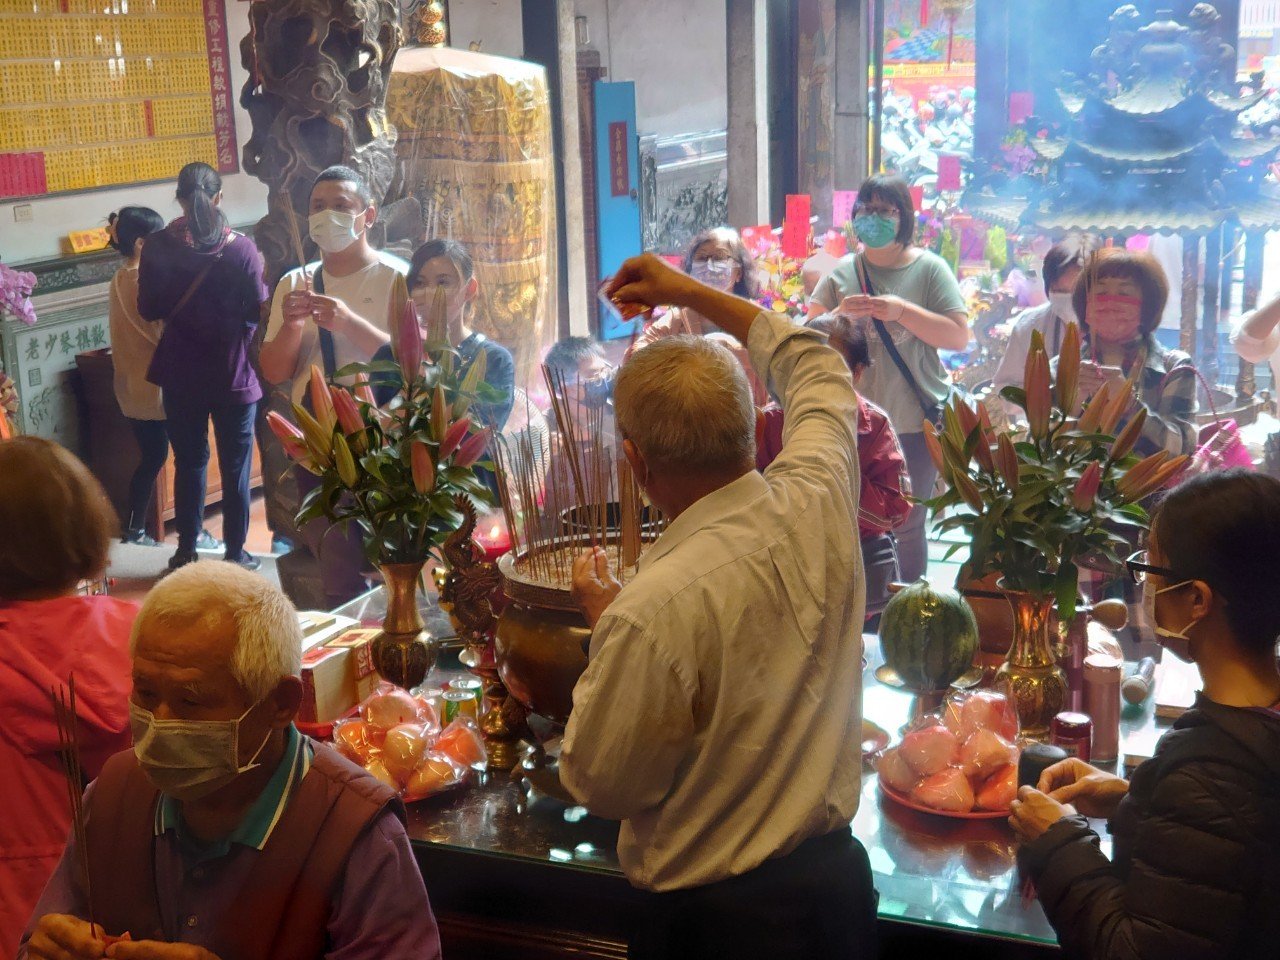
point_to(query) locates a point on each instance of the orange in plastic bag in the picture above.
(461, 741)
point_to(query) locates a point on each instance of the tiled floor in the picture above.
(258, 543)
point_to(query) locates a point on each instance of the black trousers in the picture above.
(815, 902)
(153, 447)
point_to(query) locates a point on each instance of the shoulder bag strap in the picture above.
(195, 285)
(928, 406)
(327, 353)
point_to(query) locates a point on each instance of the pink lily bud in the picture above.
(1039, 397)
(282, 428)
(1086, 489)
(424, 474)
(295, 449)
(967, 416)
(934, 445)
(364, 392)
(472, 448)
(409, 344)
(349, 420)
(1007, 461)
(321, 402)
(453, 436)
(344, 407)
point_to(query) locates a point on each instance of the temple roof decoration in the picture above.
(1152, 142)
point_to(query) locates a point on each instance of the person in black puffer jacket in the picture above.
(1194, 874)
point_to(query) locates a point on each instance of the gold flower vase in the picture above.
(1036, 683)
(404, 652)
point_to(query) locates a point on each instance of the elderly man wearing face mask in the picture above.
(718, 258)
(225, 832)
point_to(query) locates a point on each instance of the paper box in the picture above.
(337, 673)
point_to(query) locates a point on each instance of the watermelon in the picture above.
(928, 636)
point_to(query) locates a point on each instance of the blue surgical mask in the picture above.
(875, 230)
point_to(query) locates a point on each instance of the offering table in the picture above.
(512, 874)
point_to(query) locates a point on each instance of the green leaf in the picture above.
(371, 366)
(1015, 395)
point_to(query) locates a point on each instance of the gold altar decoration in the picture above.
(475, 151)
(433, 28)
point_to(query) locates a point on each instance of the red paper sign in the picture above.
(22, 175)
(619, 169)
(1022, 104)
(224, 120)
(948, 171)
(795, 229)
(842, 202)
(917, 198)
(758, 239)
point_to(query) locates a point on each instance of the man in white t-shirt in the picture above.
(330, 314)
(336, 311)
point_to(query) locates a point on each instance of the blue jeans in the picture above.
(153, 448)
(188, 422)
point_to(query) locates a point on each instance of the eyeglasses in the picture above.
(876, 210)
(1139, 569)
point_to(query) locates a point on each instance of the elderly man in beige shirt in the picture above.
(719, 717)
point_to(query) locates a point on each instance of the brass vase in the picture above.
(404, 652)
(1036, 683)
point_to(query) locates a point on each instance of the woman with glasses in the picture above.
(1196, 836)
(718, 258)
(911, 306)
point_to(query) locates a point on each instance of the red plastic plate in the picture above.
(907, 802)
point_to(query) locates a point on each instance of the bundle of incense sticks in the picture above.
(295, 238)
(64, 715)
(585, 497)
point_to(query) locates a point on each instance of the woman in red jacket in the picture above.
(58, 526)
(885, 491)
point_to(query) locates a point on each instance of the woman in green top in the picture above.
(914, 295)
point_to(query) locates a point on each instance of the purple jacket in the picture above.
(204, 351)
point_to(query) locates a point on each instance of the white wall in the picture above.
(244, 198)
(496, 23)
(675, 52)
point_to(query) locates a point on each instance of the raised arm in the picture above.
(1257, 337)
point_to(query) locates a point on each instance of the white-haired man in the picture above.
(225, 833)
(719, 717)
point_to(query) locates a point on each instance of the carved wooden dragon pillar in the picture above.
(318, 72)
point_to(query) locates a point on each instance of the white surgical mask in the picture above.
(1177, 643)
(332, 230)
(189, 759)
(714, 273)
(1062, 306)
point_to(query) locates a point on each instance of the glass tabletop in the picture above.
(929, 869)
(369, 609)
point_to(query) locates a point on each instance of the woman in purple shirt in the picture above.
(205, 281)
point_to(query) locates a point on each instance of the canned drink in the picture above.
(470, 684)
(1073, 732)
(460, 703)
